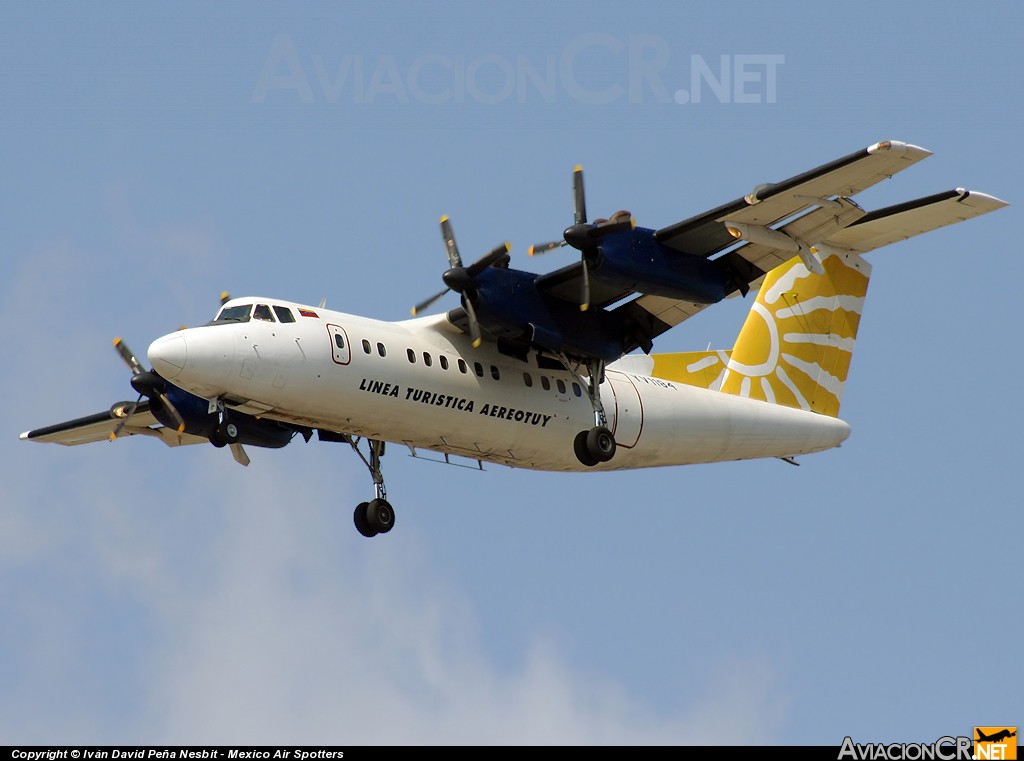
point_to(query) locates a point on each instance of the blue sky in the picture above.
(154, 155)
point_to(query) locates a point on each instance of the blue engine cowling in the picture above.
(199, 421)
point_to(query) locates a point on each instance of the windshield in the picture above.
(238, 313)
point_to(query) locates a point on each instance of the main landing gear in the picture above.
(376, 516)
(598, 444)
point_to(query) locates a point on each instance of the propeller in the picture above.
(462, 279)
(585, 236)
(148, 384)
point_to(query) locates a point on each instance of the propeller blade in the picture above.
(428, 303)
(129, 358)
(124, 420)
(579, 203)
(239, 454)
(172, 410)
(544, 248)
(488, 259)
(474, 326)
(454, 260)
(585, 304)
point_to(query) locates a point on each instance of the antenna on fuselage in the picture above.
(323, 303)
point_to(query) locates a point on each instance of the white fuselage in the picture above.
(420, 383)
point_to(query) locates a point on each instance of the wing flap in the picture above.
(653, 315)
(905, 220)
(704, 234)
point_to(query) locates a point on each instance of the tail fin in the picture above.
(796, 345)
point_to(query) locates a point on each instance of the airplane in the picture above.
(995, 737)
(540, 371)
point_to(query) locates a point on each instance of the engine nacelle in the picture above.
(200, 421)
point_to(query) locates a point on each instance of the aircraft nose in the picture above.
(168, 355)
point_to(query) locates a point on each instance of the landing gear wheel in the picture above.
(380, 516)
(582, 453)
(600, 444)
(362, 524)
(227, 432)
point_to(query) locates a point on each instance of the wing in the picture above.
(834, 222)
(567, 284)
(905, 220)
(98, 427)
(705, 235)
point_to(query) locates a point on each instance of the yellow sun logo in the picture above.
(796, 344)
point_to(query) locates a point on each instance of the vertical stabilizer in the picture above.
(796, 344)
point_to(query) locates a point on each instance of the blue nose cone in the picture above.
(168, 355)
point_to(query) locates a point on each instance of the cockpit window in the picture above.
(262, 312)
(238, 313)
(284, 314)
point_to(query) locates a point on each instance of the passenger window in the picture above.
(561, 385)
(576, 389)
(284, 314)
(479, 369)
(462, 366)
(381, 350)
(528, 380)
(366, 346)
(262, 312)
(494, 373)
(444, 362)
(545, 383)
(427, 359)
(411, 355)
(339, 341)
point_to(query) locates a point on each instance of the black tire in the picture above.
(582, 453)
(380, 516)
(228, 432)
(359, 518)
(600, 444)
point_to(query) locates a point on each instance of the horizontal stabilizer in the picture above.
(905, 220)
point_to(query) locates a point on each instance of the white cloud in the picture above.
(266, 619)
